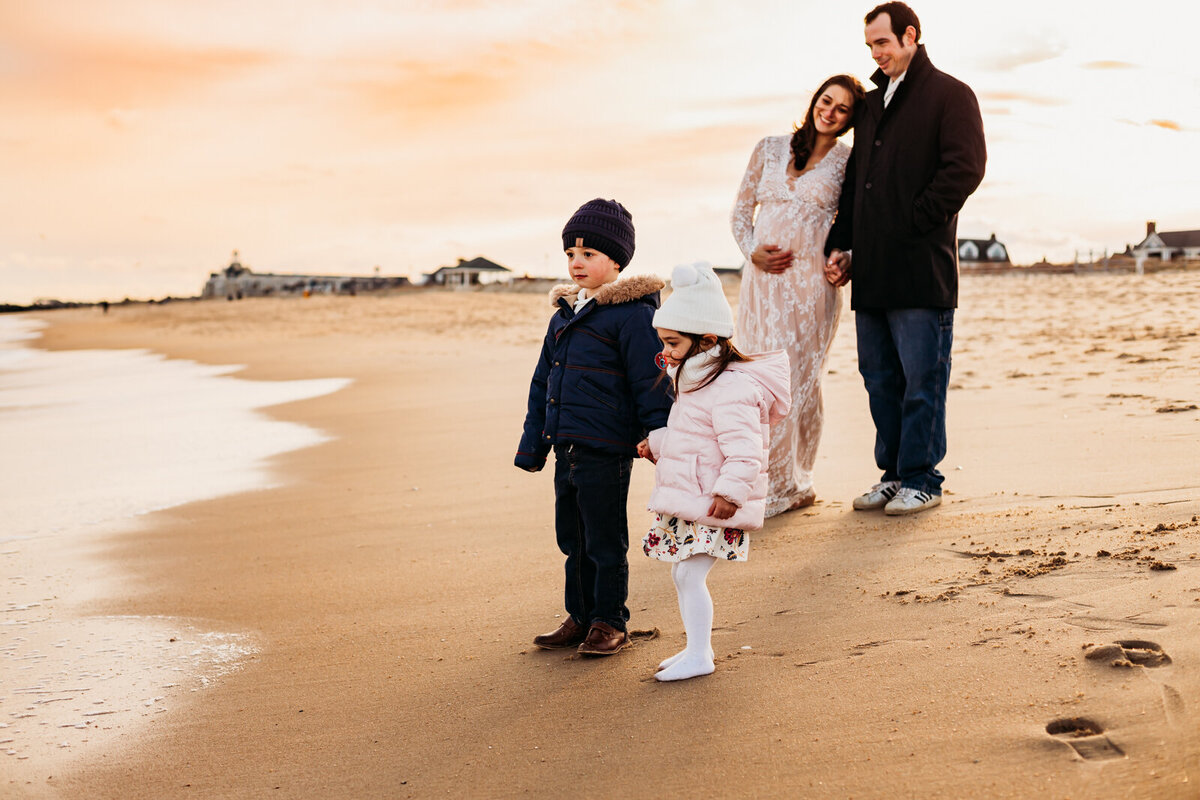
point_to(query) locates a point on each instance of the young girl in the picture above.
(710, 479)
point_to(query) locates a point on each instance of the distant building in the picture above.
(237, 281)
(982, 253)
(468, 273)
(1166, 246)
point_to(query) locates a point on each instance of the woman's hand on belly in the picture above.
(771, 258)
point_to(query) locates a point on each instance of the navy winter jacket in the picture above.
(596, 382)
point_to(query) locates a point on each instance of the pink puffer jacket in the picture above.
(716, 443)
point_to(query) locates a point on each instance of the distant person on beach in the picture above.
(710, 475)
(596, 393)
(918, 155)
(793, 183)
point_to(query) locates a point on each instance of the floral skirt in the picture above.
(674, 539)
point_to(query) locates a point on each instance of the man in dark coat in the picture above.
(918, 155)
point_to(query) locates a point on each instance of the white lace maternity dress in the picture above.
(796, 310)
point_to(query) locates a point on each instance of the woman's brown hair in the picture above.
(805, 136)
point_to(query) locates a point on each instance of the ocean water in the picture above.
(88, 437)
(91, 441)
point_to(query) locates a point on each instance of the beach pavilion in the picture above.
(469, 273)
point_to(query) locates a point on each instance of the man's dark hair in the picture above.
(901, 16)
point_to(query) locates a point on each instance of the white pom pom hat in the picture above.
(697, 303)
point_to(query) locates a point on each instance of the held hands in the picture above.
(837, 268)
(721, 508)
(643, 450)
(770, 258)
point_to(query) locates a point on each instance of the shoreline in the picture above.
(95, 442)
(534, 283)
(398, 574)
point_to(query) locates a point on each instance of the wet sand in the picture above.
(393, 581)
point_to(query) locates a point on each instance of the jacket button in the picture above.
(878, 142)
(867, 185)
(551, 401)
(556, 363)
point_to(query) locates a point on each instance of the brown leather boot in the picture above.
(604, 640)
(568, 634)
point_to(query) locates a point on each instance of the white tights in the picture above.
(696, 608)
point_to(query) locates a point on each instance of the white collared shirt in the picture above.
(891, 89)
(581, 299)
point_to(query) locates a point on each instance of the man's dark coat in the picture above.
(913, 166)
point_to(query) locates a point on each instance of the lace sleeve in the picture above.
(742, 218)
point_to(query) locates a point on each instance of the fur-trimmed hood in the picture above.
(622, 291)
(596, 382)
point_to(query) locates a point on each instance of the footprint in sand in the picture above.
(1085, 737)
(1129, 653)
(1174, 705)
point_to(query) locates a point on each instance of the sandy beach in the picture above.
(1036, 636)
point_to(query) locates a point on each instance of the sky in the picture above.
(142, 141)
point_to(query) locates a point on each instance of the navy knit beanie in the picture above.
(602, 225)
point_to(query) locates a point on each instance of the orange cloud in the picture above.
(1022, 97)
(684, 149)
(99, 76)
(1165, 124)
(1109, 65)
(416, 91)
(465, 87)
(1170, 125)
(91, 61)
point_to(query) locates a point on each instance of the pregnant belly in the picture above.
(784, 228)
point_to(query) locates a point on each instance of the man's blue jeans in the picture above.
(591, 488)
(904, 359)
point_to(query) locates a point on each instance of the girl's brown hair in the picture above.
(729, 354)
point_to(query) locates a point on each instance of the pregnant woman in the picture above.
(784, 209)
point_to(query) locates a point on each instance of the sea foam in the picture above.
(89, 437)
(90, 440)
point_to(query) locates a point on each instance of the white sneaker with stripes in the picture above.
(878, 497)
(910, 501)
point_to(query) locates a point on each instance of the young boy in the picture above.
(595, 394)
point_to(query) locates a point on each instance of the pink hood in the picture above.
(716, 441)
(772, 371)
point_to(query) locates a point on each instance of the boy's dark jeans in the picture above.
(591, 488)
